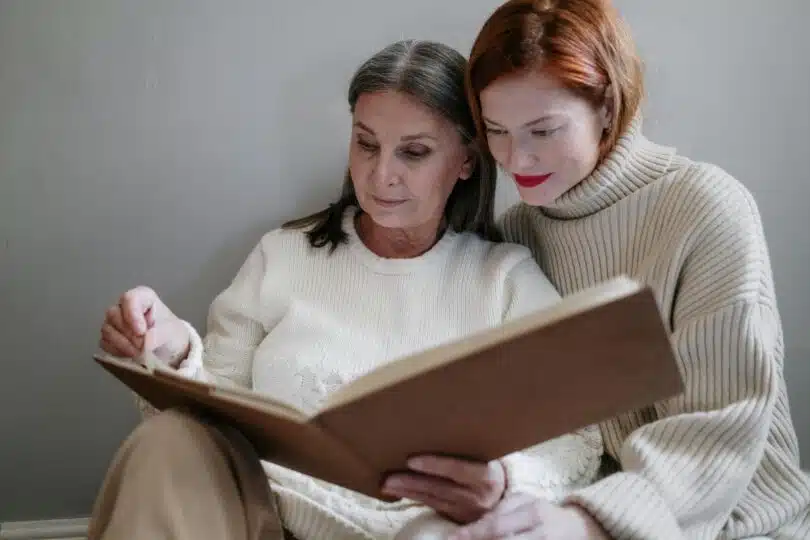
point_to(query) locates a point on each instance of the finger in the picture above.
(116, 343)
(469, 473)
(439, 487)
(134, 304)
(114, 317)
(504, 523)
(452, 508)
(113, 349)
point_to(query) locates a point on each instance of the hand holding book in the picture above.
(458, 489)
(140, 325)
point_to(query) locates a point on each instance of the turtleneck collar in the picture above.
(632, 164)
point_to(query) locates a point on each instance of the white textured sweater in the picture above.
(297, 322)
(721, 460)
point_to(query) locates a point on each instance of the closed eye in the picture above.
(416, 152)
(495, 131)
(543, 132)
(366, 146)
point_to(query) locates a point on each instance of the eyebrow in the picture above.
(527, 124)
(413, 137)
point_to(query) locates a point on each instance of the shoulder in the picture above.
(495, 258)
(517, 224)
(512, 271)
(708, 191)
(715, 215)
(726, 257)
(283, 250)
(288, 242)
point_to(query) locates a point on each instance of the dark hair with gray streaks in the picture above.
(433, 74)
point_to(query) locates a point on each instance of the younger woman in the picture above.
(556, 88)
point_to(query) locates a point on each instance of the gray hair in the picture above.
(433, 74)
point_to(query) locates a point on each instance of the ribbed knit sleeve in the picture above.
(684, 473)
(234, 328)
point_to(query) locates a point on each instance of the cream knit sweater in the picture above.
(721, 460)
(297, 322)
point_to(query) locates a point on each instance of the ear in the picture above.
(468, 166)
(606, 111)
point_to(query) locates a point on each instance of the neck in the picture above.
(398, 243)
(632, 164)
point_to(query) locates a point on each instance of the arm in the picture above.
(235, 328)
(556, 467)
(684, 473)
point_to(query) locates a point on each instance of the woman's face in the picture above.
(546, 137)
(404, 161)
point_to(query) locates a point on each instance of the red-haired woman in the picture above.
(556, 86)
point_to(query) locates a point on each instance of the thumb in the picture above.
(135, 303)
(157, 337)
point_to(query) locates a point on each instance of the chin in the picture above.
(389, 220)
(538, 196)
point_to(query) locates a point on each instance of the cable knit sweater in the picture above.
(721, 460)
(297, 322)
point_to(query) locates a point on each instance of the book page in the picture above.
(260, 402)
(154, 368)
(413, 365)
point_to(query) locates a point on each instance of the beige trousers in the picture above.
(179, 477)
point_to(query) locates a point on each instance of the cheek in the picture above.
(359, 166)
(569, 153)
(579, 150)
(499, 148)
(432, 182)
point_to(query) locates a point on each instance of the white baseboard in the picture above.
(50, 529)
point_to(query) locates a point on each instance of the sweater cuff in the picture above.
(557, 467)
(628, 508)
(524, 476)
(192, 366)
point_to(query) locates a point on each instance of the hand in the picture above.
(532, 518)
(457, 489)
(140, 321)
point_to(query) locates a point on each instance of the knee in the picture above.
(169, 428)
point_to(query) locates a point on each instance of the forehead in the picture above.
(398, 114)
(522, 97)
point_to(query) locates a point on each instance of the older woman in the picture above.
(406, 259)
(556, 88)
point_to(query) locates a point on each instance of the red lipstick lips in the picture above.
(531, 181)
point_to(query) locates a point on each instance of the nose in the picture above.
(520, 157)
(385, 170)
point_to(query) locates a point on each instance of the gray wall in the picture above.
(154, 141)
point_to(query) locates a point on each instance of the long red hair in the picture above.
(583, 43)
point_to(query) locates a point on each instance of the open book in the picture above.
(595, 354)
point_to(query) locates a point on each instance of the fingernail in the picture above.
(393, 483)
(416, 464)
